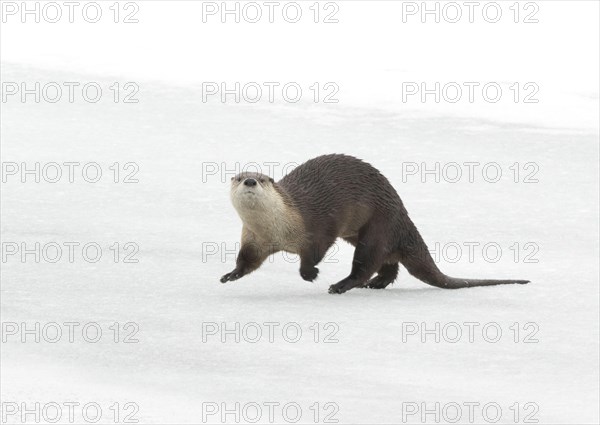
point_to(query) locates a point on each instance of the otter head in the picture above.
(265, 210)
(251, 191)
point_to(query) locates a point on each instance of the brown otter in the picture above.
(330, 197)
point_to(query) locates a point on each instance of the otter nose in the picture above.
(249, 182)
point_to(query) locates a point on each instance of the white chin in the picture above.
(248, 198)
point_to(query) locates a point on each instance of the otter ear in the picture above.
(271, 180)
(232, 178)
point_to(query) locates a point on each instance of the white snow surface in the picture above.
(177, 212)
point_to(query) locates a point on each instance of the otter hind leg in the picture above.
(387, 274)
(368, 258)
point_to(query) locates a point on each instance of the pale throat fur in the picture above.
(268, 218)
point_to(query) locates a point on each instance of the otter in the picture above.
(326, 198)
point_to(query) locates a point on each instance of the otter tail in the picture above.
(420, 264)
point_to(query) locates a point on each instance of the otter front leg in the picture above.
(310, 257)
(308, 261)
(252, 254)
(249, 259)
(308, 271)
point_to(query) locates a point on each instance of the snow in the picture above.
(179, 210)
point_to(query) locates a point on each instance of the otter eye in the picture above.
(262, 180)
(239, 179)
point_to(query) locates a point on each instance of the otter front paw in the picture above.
(309, 273)
(234, 275)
